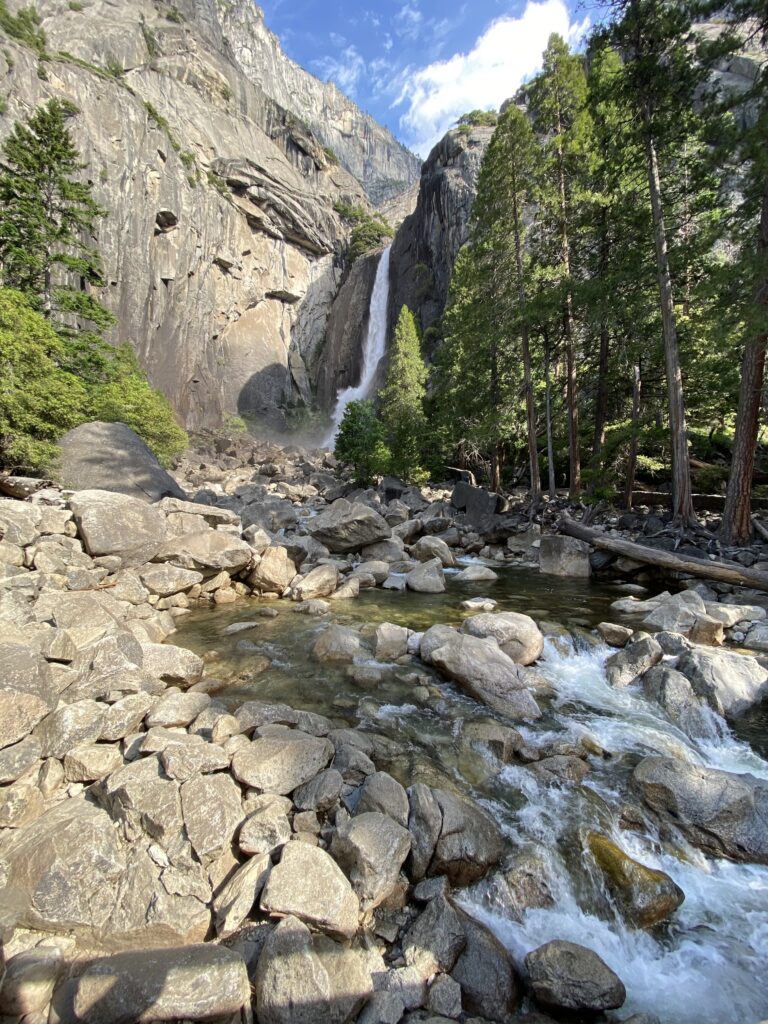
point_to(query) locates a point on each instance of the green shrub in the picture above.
(38, 400)
(75, 5)
(175, 15)
(477, 119)
(24, 27)
(330, 155)
(127, 397)
(361, 444)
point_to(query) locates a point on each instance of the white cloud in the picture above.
(508, 52)
(345, 70)
(337, 40)
(408, 21)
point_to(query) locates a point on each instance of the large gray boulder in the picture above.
(348, 527)
(371, 849)
(517, 635)
(306, 979)
(280, 765)
(627, 665)
(489, 675)
(724, 814)
(567, 977)
(729, 682)
(206, 550)
(484, 970)
(673, 692)
(199, 982)
(310, 885)
(112, 457)
(564, 556)
(427, 578)
(118, 524)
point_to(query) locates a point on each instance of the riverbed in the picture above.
(708, 965)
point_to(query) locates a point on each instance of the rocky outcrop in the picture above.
(221, 245)
(426, 246)
(366, 149)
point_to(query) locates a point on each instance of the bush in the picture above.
(127, 397)
(477, 119)
(360, 442)
(24, 27)
(367, 235)
(38, 400)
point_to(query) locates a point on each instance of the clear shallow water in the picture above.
(708, 966)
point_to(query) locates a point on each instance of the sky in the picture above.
(417, 65)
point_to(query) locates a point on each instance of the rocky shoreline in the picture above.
(164, 857)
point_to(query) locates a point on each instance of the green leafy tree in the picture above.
(361, 442)
(48, 218)
(38, 400)
(401, 401)
(126, 397)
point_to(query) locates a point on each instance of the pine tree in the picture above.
(401, 401)
(48, 220)
(361, 444)
(750, 18)
(558, 108)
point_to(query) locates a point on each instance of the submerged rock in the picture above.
(645, 896)
(569, 977)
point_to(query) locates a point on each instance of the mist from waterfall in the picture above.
(374, 347)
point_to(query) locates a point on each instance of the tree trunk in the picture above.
(496, 467)
(737, 522)
(601, 403)
(530, 405)
(682, 505)
(632, 460)
(550, 440)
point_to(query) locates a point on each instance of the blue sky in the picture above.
(416, 65)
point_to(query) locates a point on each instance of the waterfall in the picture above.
(374, 347)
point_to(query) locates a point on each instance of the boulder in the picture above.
(627, 665)
(117, 524)
(392, 550)
(212, 811)
(266, 829)
(306, 979)
(112, 457)
(310, 885)
(476, 502)
(338, 643)
(70, 725)
(234, 901)
(391, 642)
(320, 582)
(485, 672)
(673, 692)
(567, 977)
(199, 982)
(165, 580)
(91, 762)
(281, 765)
(320, 793)
(30, 979)
(677, 613)
(723, 814)
(274, 572)
(371, 849)
(564, 556)
(476, 574)
(348, 527)
(484, 970)
(176, 708)
(435, 939)
(730, 683)
(427, 578)
(613, 634)
(173, 664)
(517, 635)
(17, 759)
(144, 801)
(207, 551)
(427, 548)
(469, 841)
(645, 896)
(380, 792)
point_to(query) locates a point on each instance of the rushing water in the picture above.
(374, 346)
(708, 966)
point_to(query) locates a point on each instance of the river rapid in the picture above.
(708, 964)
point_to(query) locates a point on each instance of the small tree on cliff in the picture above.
(401, 401)
(48, 219)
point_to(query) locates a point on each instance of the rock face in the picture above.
(220, 248)
(429, 240)
(111, 457)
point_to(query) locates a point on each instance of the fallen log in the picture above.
(701, 502)
(722, 572)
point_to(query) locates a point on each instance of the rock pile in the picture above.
(163, 858)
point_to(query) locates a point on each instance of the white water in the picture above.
(374, 347)
(710, 966)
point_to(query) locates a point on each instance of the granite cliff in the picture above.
(222, 250)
